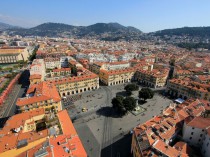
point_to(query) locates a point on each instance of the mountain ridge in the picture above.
(59, 29)
(4, 26)
(105, 31)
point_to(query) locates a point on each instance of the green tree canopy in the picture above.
(131, 87)
(122, 105)
(117, 102)
(146, 93)
(129, 103)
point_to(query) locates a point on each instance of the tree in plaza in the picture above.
(129, 103)
(129, 93)
(146, 93)
(117, 103)
(131, 87)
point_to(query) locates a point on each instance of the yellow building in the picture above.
(185, 88)
(60, 72)
(77, 84)
(13, 55)
(41, 95)
(154, 78)
(114, 77)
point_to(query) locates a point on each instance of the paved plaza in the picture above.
(98, 131)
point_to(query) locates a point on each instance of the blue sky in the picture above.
(146, 15)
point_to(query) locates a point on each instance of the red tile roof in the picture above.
(42, 91)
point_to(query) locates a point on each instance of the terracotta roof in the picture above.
(42, 91)
(66, 123)
(183, 147)
(9, 139)
(74, 79)
(69, 139)
(199, 122)
(62, 69)
(167, 150)
(119, 71)
(35, 76)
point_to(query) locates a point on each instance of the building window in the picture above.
(201, 135)
(207, 144)
(193, 128)
(190, 138)
(191, 133)
(199, 140)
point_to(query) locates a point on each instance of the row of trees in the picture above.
(123, 105)
(144, 93)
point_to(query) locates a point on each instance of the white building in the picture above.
(117, 65)
(38, 68)
(64, 61)
(196, 132)
(123, 58)
(52, 63)
(206, 144)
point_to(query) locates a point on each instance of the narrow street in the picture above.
(18, 92)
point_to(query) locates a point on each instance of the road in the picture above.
(18, 92)
(107, 130)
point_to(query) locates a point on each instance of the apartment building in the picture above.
(159, 135)
(153, 78)
(52, 63)
(86, 81)
(40, 95)
(13, 54)
(196, 132)
(37, 133)
(60, 72)
(186, 88)
(38, 68)
(64, 61)
(95, 67)
(114, 77)
(180, 74)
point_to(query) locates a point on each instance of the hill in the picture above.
(4, 26)
(202, 32)
(106, 31)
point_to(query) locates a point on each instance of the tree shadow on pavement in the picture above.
(108, 111)
(122, 93)
(141, 102)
